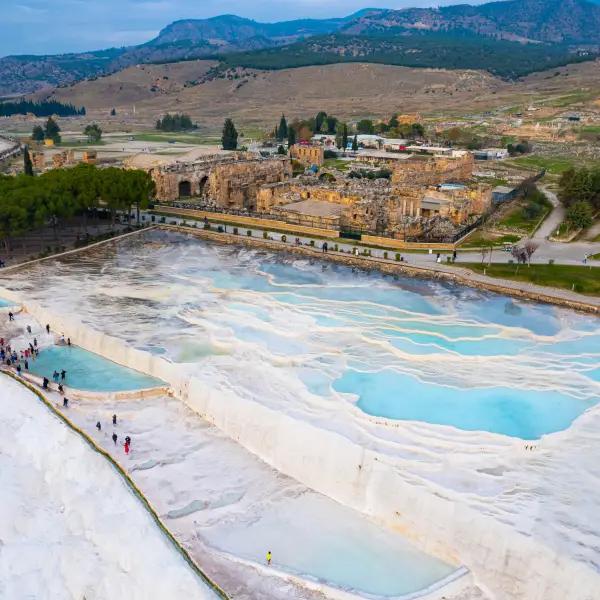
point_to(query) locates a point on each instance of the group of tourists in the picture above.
(115, 437)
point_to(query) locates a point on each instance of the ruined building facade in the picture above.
(229, 181)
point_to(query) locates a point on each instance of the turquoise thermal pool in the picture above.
(88, 371)
(312, 333)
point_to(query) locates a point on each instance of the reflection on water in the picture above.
(399, 347)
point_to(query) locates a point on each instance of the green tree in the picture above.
(37, 135)
(345, 137)
(52, 131)
(229, 139)
(580, 214)
(281, 149)
(282, 130)
(27, 164)
(331, 124)
(355, 144)
(365, 126)
(319, 121)
(113, 112)
(291, 136)
(93, 133)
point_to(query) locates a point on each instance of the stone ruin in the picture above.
(224, 181)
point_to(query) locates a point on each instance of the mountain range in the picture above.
(548, 31)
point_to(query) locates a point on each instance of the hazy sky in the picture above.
(49, 26)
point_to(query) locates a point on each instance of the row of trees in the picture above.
(46, 108)
(579, 191)
(176, 122)
(27, 203)
(327, 124)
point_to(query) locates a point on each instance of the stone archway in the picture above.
(202, 185)
(185, 189)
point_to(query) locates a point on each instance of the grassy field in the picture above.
(517, 217)
(336, 163)
(585, 280)
(484, 239)
(554, 166)
(184, 138)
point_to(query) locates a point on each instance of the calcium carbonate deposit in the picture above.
(461, 417)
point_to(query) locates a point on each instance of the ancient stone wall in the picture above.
(229, 181)
(433, 170)
(308, 155)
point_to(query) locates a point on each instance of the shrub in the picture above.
(385, 255)
(235, 231)
(206, 225)
(312, 243)
(550, 261)
(173, 223)
(336, 247)
(284, 238)
(220, 229)
(330, 154)
(398, 256)
(249, 232)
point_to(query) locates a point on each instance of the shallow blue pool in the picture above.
(4, 303)
(89, 371)
(285, 328)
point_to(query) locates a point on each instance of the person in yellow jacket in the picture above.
(269, 557)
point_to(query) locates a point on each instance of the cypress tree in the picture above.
(355, 143)
(291, 136)
(345, 137)
(27, 164)
(282, 131)
(230, 135)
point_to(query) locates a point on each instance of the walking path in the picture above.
(553, 220)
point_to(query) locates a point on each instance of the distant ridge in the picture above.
(562, 29)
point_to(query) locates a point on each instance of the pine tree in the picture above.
(282, 131)
(52, 130)
(230, 135)
(113, 112)
(27, 164)
(355, 143)
(345, 137)
(37, 135)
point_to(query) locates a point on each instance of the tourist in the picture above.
(98, 426)
(35, 342)
(324, 247)
(126, 446)
(45, 383)
(269, 557)
(47, 328)
(61, 390)
(114, 419)
(68, 341)
(65, 402)
(63, 375)
(454, 256)
(26, 364)
(114, 438)
(128, 440)
(29, 329)
(18, 369)
(55, 376)
(62, 338)
(11, 317)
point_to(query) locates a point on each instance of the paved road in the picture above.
(554, 219)
(568, 254)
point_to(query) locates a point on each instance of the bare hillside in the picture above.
(258, 98)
